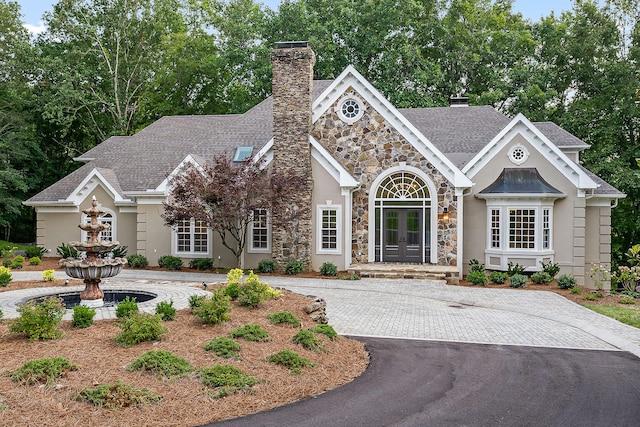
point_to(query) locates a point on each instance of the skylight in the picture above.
(242, 153)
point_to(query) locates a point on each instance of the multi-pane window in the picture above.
(495, 228)
(546, 229)
(192, 236)
(522, 228)
(328, 226)
(260, 230)
(108, 234)
(329, 229)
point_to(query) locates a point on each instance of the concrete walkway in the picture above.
(401, 308)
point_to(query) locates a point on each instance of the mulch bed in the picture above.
(185, 401)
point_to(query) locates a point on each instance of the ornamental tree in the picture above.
(224, 194)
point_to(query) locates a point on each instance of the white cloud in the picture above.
(35, 30)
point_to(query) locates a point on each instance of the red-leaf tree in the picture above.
(224, 194)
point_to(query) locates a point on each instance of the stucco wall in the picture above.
(568, 231)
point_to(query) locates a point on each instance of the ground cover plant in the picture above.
(139, 327)
(225, 379)
(308, 340)
(250, 332)
(290, 360)
(117, 395)
(185, 400)
(224, 347)
(284, 317)
(163, 363)
(42, 371)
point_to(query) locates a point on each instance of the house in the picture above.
(427, 186)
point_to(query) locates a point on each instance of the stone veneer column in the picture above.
(292, 64)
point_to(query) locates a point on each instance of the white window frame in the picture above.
(111, 220)
(321, 209)
(350, 99)
(190, 253)
(251, 247)
(504, 251)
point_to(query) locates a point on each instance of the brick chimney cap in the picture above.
(291, 44)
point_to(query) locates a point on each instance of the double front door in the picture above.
(403, 235)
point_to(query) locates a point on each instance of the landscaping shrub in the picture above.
(162, 363)
(326, 330)
(293, 267)
(195, 300)
(82, 316)
(499, 277)
(224, 347)
(67, 251)
(5, 276)
(590, 297)
(6, 263)
(227, 378)
(253, 292)
(116, 396)
(214, 309)
(266, 266)
(234, 276)
(201, 264)
(18, 262)
(251, 332)
(126, 307)
(35, 260)
(39, 320)
(626, 300)
(137, 261)
(566, 281)
(291, 360)
(576, 290)
(518, 281)
(541, 278)
(477, 277)
(308, 340)
(33, 251)
(49, 275)
(232, 290)
(42, 371)
(552, 269)
(474, 265)
(170, 262)
(514, 268)
(352, 276)
(139, 327)
(166, 310)
(284, 317)
(328, 269)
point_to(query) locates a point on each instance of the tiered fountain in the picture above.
(92, 268)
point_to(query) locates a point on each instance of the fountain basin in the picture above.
(93, 270)
(94, 247)
(111, 298)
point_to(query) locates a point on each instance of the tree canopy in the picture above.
(111, 67)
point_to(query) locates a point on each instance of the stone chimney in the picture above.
(292, 64)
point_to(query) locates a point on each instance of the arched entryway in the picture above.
(404, 224)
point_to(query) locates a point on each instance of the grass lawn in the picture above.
(630, 316)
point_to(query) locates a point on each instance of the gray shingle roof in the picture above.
(142, 161)
(560, 137)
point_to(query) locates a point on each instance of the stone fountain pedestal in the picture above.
(94, 267)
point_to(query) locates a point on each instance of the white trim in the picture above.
(89, 184)
(505, 252)
(319, 211)
(250, 248)
(433, 209)
(174, 244)
(352, 78)
(340, 105)
(512, 154)
(520, 125)
(164, 185)
(348, 227)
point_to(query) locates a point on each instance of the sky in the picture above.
(33, 10)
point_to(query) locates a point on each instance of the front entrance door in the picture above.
(402, 235)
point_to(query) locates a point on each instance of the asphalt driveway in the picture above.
(427, 383)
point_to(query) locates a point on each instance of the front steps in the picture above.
(443, 273)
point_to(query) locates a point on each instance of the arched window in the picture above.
(109, 234)
(403, 217)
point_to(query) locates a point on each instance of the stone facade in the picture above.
(292, 99)
(369, 147)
